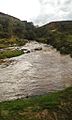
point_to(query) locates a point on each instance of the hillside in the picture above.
(62, 26)
(58, 34)
(11, 26)
(14, 31)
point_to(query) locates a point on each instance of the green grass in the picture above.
(4, 43)
(54, 106)
(10, 53)
(11, 42)
(61, 41)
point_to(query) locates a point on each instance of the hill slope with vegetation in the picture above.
(15, 32)
(11, 26)
(58, 34)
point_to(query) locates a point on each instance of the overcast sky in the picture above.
(38, 11)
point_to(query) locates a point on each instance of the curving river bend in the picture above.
(35, 73)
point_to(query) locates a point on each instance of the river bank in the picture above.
(54, 106)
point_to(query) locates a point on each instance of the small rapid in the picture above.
(35, 73)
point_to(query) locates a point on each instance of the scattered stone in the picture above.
(28, 51)
(37, 49)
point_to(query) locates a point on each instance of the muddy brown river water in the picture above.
(35, 73)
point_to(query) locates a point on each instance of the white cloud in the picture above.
(54, 10)
(23, 9)
(38, 11)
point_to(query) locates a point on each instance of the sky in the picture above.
(39, 12)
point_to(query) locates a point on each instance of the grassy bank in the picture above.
(10, 53)
(11, 42)
(4, 43)
(61, 41)
(55, 106)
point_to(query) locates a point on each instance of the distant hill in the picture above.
(61, 26)
(57, 34)
(11, 26)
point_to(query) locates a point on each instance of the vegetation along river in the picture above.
(35, 73)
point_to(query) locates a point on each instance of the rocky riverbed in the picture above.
(41, 70)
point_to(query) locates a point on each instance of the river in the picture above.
(35, 73)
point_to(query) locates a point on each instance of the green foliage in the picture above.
(2, 46)
(48, 107)
(4, 43)
(57, 34)
(10, 53)
(10, 26)
(61, 41)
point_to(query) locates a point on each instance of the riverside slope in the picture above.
(35, 73)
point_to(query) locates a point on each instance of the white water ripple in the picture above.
(35, 73)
